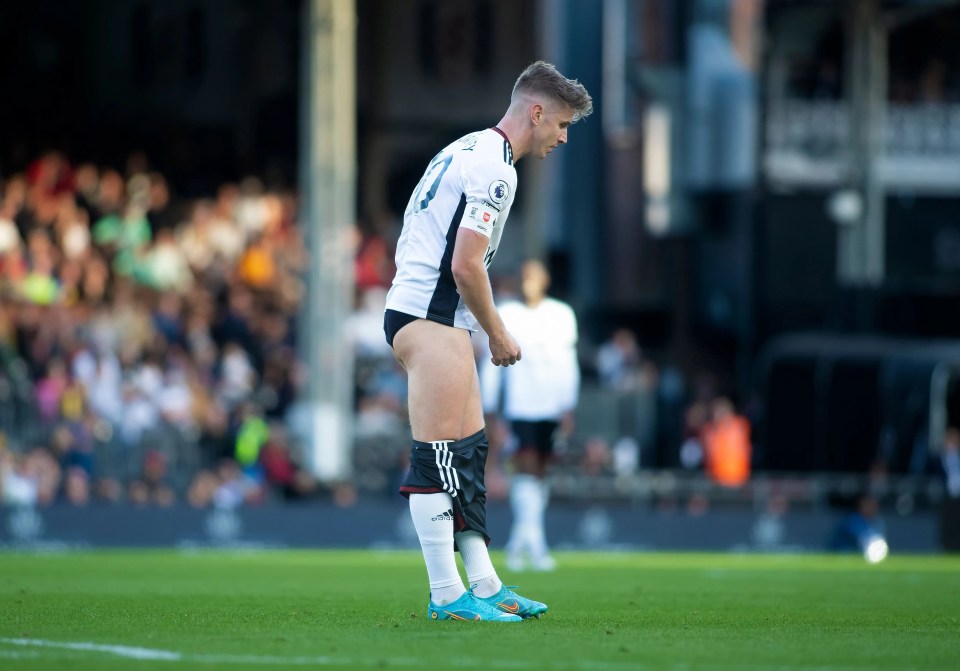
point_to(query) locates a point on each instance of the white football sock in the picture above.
(538, 532)
(525, 500)
(433, 519)
(476, 559)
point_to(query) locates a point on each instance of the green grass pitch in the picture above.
(112, 610)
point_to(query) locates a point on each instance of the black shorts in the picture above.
(393, 321)
(535, 435)
(457, 468)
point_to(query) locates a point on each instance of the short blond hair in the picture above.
(544, 79)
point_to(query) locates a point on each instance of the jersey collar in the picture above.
(507, 140)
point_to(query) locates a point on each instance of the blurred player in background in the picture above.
(441, 293)
(538, 400)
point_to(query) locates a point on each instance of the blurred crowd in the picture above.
(147, 344)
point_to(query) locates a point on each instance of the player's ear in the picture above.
(536, 113)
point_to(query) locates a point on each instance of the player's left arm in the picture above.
(473, 283)
(488, 188)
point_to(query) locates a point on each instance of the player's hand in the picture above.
(504, 351)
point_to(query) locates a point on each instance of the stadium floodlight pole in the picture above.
(860, 245)
(327, 189)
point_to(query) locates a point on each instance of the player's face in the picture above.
(551, 132)
(534, 280)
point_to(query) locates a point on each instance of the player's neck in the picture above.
(518, 139)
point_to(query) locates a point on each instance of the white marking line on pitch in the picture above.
(153, 654)
(119, 650)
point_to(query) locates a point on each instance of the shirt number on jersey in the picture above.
(435, 173)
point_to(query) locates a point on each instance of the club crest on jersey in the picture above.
(499, 191)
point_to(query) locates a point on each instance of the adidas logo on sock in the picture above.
(448, 515)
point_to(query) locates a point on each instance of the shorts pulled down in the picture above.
(457, 468)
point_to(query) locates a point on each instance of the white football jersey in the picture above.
(546, 382)
(471, 183)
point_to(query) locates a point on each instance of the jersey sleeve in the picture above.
(489, 190)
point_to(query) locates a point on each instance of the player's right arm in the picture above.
(473, 283)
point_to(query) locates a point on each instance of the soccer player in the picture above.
(538, 400)
(441, 293)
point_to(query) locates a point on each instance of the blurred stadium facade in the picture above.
(767, 201)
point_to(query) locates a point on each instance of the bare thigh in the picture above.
(444, 390)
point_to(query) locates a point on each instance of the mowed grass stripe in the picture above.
(367, 610)
(66, 651)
